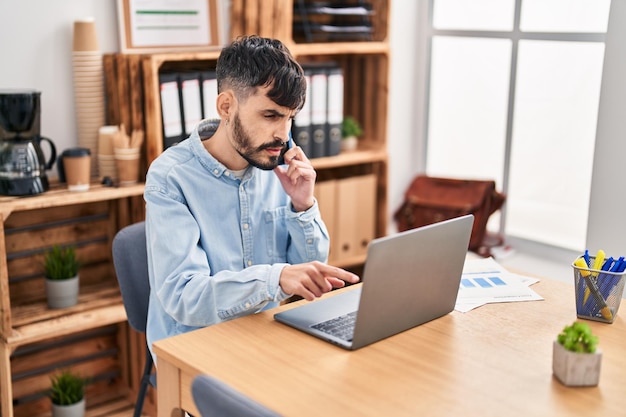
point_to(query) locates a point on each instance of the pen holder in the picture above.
(598, 293)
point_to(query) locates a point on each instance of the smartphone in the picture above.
(290, 144)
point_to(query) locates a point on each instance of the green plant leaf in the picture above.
(578, 337)
(66, 388)
(61, 263)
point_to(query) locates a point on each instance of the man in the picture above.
(230, 232)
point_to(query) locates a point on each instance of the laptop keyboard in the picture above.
(341, 327)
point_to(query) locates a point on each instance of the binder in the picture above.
(319, 85)
(191, 100)
(171, 111)
(301, 128)
(209, 95)
(334, 115)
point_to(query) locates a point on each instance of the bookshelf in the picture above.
(91, 337)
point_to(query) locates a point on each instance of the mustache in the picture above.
(275, 144)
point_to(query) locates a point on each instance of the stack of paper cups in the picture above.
(88, 86)
(106, 156)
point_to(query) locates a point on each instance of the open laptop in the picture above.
(410, 278)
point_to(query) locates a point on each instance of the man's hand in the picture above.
(298, 179)
(313, 279)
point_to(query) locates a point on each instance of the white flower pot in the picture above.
(73, 410)
(576, 369)
(62, 293)
(349, 144)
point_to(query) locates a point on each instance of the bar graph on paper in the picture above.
(485, 281)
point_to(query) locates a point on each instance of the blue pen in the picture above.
(604, 279)
(586, 256)
(613, 279)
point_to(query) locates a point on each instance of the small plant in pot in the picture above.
(61, 271)
(67, 393)
(350, 132)
(576, 359)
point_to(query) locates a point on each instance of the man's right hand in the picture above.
(313, 279)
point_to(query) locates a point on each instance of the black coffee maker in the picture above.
(22, 163)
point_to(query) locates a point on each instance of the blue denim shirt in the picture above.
(216, 244)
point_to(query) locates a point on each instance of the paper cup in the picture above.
(85, 36)
(127, 161)
(77, 168)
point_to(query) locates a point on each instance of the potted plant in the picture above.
(61, 271)
(350, 131)
(67, 393)
(576, 359)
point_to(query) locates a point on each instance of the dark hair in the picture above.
(252, 61)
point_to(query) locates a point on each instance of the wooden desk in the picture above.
(492, 361)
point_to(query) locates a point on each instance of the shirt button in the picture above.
(249, 263)
(245, 226)
(215, 171)
(309, 241)
(248, 305)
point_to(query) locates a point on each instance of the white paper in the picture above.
(485, 281)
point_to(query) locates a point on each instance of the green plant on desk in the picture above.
(577, 337)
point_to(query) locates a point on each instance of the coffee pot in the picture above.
(22, 162)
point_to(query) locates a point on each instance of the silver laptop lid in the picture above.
(411, 278)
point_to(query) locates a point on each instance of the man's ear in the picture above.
(226, 104)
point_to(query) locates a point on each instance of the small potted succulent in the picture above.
(61, 272)
(67, 393)
(350, 132)
(576, 359)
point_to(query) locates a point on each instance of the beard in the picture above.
(255, 156)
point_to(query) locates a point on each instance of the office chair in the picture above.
(130, 259)
(213, 398)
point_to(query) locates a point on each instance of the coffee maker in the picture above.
(22, 163)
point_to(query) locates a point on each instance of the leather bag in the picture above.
(430, 200)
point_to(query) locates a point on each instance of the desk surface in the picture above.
(492, 361)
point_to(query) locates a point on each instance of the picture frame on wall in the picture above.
(149, 26)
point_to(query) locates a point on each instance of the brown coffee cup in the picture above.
(75, 168)
(127, 161)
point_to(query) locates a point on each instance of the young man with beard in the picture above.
(230, 232)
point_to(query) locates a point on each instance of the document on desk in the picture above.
(485, 281)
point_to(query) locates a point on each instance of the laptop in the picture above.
(409, 278)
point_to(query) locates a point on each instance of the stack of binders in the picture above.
(187, 97)
(317, 127)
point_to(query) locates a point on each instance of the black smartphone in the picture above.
(290, 144)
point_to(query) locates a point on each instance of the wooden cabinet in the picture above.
(90, 337)
(365, 66)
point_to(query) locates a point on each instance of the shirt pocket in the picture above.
(276, 235)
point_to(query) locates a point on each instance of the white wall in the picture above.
(36, 53)
(607, 221)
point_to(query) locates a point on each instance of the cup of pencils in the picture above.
(599, 285)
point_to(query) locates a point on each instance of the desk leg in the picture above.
(168, 390)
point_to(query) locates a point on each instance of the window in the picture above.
(513, 95)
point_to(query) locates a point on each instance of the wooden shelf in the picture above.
(92, 334)
(339, 48)
(98, 305)
(357, 157)
(60, 196)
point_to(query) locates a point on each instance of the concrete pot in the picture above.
(62, 293)
(349, 144)
(576, 369)
(72, 410)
